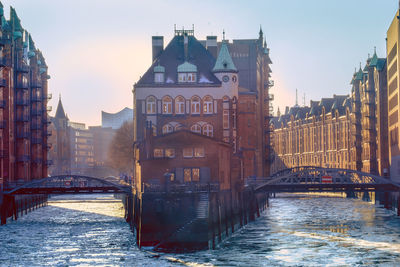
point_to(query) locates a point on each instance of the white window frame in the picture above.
(196, 128)
(195, 105)
(166, 105)
(159, 77)
(207, 105)
(151, 105)
(180, 105)
(208, 130)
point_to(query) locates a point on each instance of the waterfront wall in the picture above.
(14, 206)
(192, 221)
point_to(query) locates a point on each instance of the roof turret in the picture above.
(60, 114)
(224, 61)
(187, 67)
(159, 68)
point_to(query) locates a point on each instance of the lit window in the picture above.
(179, 105)
(158, 153)
(187, 77)
(195, 105)
(154, 130)
(208, 130)
(170, 153)
(225, 119)
(199, 152)
(188, 152)
(187, 175)
(158, 77)
(167, 128)
(151, 105)
(207, 105)
(167, 105)
(196, 128)
(195, 174)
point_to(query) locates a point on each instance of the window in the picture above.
(225, 119)
(178, 127)
(188, 152)
(187, 77)
(167, 128)
(196, 128)
(151, 105)
(199, 152)
(208, 130)
(179, 105)
(195, 174)
(154, 130)
(166, 105)
(207, 105)
(170, 153)
(158, 77)
(158, 153)
(195, 105)
(187, 175)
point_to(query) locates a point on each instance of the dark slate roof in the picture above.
(60, 114)
(381, 63)
(174, 55)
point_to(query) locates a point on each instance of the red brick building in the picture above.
(23, 104)
(188, 89)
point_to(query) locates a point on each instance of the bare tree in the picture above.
(120, 153)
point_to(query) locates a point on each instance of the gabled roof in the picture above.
(174, 55)
(381, 63)
(224, 61)
(187, 67)
(374, 60)
(359, 75)
(15, 21)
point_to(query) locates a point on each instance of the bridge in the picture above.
(13, 202)
(318, 179)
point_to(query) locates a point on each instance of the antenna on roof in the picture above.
(297, 102)
(223, 34)
(304, 100)
(375, 49)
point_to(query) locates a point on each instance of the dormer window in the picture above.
(159, 72)
(187, 73)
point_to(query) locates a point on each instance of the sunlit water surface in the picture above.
(90, 230)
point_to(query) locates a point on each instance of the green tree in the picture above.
(120, 153)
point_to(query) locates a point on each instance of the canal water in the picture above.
(90, 230)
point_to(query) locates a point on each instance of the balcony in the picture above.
(49, 132)
(23, 158)
(47, 121)
(21, 85)
(37, 141)
(3, 83)
(2, 103)
(49, 96)
(22, 102)
(48, 146)
(36, 112)
(49, 108)
(271, 97)
(23, 118)
(22, 67)
(36, 84)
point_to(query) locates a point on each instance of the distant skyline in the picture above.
(96, 49)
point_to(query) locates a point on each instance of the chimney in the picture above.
(211, 45)
(158, 45)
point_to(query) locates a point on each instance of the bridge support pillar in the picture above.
(386, 200)
(365, 196)
(350, 194)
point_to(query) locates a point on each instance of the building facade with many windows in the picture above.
(348, 132)
(23, 104)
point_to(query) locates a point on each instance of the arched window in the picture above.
(167, 128)
(195, 107)
(151, 105)
(208, 130)
(207, 105)
(179, 105)
(167, 105)
(178, 127)
(196, 128)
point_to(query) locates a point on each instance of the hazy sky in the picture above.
(97, 49)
